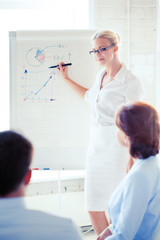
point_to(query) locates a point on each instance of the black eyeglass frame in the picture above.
(101, 49)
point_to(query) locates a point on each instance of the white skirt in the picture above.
(105, 167)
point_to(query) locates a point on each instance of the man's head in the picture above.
(15, 159)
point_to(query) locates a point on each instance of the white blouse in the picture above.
(104, 102)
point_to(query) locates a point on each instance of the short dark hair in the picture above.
(140, 122)
(15, 159)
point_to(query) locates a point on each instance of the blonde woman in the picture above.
(106, 159)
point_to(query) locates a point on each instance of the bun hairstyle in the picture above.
(141, 123)
(110, 35)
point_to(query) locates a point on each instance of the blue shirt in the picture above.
(134, 207)
(19, 223)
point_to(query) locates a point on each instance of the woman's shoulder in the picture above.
(143, 169)
(126, 76)
(133, 78)
(133, 86)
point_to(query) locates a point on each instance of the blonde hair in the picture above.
(110, 35)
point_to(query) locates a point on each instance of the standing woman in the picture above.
(106, 159)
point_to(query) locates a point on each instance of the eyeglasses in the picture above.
(101, 49)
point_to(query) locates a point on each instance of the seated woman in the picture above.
(134, 207)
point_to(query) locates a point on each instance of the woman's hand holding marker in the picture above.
(63, 70)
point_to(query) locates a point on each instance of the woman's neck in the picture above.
(113, 68)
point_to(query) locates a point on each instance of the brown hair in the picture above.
(140, 122)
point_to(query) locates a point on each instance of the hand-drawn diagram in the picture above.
(35, 57)
(37, 80)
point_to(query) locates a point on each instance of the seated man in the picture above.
(16, 221)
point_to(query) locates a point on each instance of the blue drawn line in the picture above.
(35, 93)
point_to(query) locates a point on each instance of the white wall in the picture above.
(135, 20)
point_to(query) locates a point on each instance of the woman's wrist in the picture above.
(66, 78)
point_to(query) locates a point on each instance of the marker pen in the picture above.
(63, 65)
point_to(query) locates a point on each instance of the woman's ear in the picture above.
(126, 140)
(116, 48)
(28, 177)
